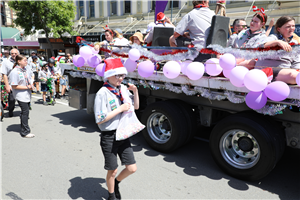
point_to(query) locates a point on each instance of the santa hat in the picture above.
(160, 16)
(114, 67)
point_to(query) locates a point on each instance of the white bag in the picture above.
(129, 124)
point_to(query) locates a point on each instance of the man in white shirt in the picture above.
(7, 66)
(30, 58)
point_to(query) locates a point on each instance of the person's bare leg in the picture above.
(110, 180)
(288, 76)
(129, 169)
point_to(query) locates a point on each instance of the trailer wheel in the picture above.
(165, 128)
(189, 116)
(246, 145)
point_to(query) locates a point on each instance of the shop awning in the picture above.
(7, 32)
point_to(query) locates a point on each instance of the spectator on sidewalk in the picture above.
(7, 66)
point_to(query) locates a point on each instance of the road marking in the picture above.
(66, 104)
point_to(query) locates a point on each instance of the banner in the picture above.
(160, 6)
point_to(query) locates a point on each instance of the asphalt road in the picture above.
(64, 161)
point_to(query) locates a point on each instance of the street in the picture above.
(64, 161)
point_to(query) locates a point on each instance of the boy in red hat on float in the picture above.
(108, 107)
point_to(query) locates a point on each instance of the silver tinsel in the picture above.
(272, 109)
(233, 98)
(261, 55)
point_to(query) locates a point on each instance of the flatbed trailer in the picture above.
(245, 143)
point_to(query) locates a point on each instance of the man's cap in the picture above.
(160, 16)
(33, 52)
(114, 67)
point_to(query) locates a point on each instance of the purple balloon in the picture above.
(256, 100)
(226, 73)
(298, 79)
(85, 52)
(227, 61)
(237, 76)
(78, 61)
(100, 69)
(134, 54)
(212, 67)
(256, 80)
(277, 91)
(93, 61)
(130, 65)
(146, 69)
(184, 65)
(195, 70)
(171, 69)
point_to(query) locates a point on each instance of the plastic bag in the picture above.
(129, 124)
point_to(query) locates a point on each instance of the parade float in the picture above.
(253, 120)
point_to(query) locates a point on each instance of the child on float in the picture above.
(22, 85)
(251, 37)
(44, 74)
(285, 68)
(108, 109)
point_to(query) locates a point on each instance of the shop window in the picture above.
(92, 8)
(113, 7)
(127, 6)
(81, 8)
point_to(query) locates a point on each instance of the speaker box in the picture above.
(161, 36)
(218, 33)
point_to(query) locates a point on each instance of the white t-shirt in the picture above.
(198, 22)
(7, 66)
(18, 76)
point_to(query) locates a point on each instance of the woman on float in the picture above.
(250, 37)
(285, 68)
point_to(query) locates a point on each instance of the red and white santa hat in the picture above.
(114, 67)
(160, 16)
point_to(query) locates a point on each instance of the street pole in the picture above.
(171, 9)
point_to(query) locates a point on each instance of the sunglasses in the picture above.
(120, 76)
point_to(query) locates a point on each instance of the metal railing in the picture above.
(134, 25)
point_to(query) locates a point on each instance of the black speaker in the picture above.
(161, 36)
(218, 33)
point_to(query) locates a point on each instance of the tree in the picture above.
(54, 17)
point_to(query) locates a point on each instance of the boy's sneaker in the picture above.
(45, 103)
(38, 92)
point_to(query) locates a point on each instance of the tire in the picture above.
(189, 116)
(165, 128)
(1, 111)
(247, 146)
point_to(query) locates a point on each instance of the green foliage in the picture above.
(52, 16)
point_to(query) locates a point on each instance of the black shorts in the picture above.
(111, 148)
(44, 87)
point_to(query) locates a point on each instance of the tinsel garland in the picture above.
(254, 54)
(271, 109)
(49, 84)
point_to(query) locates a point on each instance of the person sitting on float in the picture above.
(137, 38)
(250, 37)
(285, 68)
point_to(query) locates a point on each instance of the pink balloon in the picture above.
(146, 69)
(256, 100)
(134, 54)
(298, 79)
(184, 65)
(95, 51)
(93, 61)
(277, 91)
(212, 67)
(130, 65)
(78, 61)
(227, 61)
(100, 69)
(237, 76)
(85, 52)
(195, 70)
(226, 73)
(256, 80)
(171, 69)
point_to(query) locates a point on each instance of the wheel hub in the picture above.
(159, 128)
(245, 144)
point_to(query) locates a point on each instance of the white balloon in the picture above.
(212, 67)
(256, 80)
